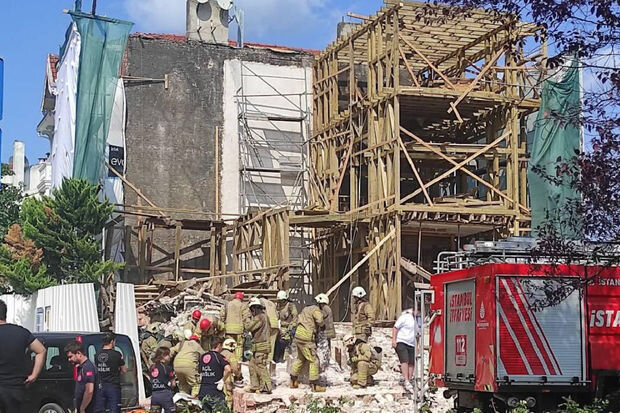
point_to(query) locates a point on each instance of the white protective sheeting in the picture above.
(126, 322)
(65, 111)
(70, 307)
(112, 185)
(20, 310)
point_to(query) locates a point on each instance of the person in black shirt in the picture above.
(110, 366)
(86, 382)
(162, 381)
(14, 375)
(214, 370)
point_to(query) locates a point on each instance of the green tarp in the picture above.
(102, 47)
(556, 138)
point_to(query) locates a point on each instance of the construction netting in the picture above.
(103, 45)
(557, 137)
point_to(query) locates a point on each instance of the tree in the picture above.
(20, 264)
(10, 200)
(67, 227)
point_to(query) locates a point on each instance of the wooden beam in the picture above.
(414, 78)
(362, 261)
(473, 84)
(415, 171)
(457, 166)
(467, 171)
(428, 62)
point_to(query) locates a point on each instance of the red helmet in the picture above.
(205, 324)
(239, 295)
(196, 315)
(194, 337)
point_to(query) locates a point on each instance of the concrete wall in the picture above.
(170, 133)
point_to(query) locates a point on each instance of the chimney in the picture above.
(207, 20)
(19, 162)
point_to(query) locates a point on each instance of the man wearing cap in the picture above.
(363, 314)
(234, 314)
(185, 364)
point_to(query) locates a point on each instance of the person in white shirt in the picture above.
(404, 341)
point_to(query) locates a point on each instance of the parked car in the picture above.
(53, 391)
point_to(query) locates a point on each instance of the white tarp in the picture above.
(126, 322)
(65, 111)
(112, 185)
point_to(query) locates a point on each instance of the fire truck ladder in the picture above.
(422, 300)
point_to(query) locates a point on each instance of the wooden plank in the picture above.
(361, 262)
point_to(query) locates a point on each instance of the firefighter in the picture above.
(192, 327)
(234, 315)
(209, 329)
(260, 328)
(272, 316)
(287, 313)
(309, 322)
(149, 342)
(363, 360)
(185, 364)
(328, 316)
(228, 351)
(363, 314)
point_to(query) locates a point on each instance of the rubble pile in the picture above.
(387, 395)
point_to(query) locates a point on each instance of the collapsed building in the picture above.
(259, 167)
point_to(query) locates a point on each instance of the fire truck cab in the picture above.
(510, 332)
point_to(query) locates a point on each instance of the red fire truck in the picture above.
(510, 332)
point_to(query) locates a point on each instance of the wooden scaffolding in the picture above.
(419, 132)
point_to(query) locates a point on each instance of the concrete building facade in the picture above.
(35, 180)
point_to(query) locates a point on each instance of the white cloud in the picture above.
(157, 16)
(309, 23)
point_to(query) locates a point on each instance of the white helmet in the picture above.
(322, 299)
(229, 344)
(282, 295)
(255, 301)
(359, 292)
(348, 340)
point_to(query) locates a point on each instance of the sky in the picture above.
(29, 30)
